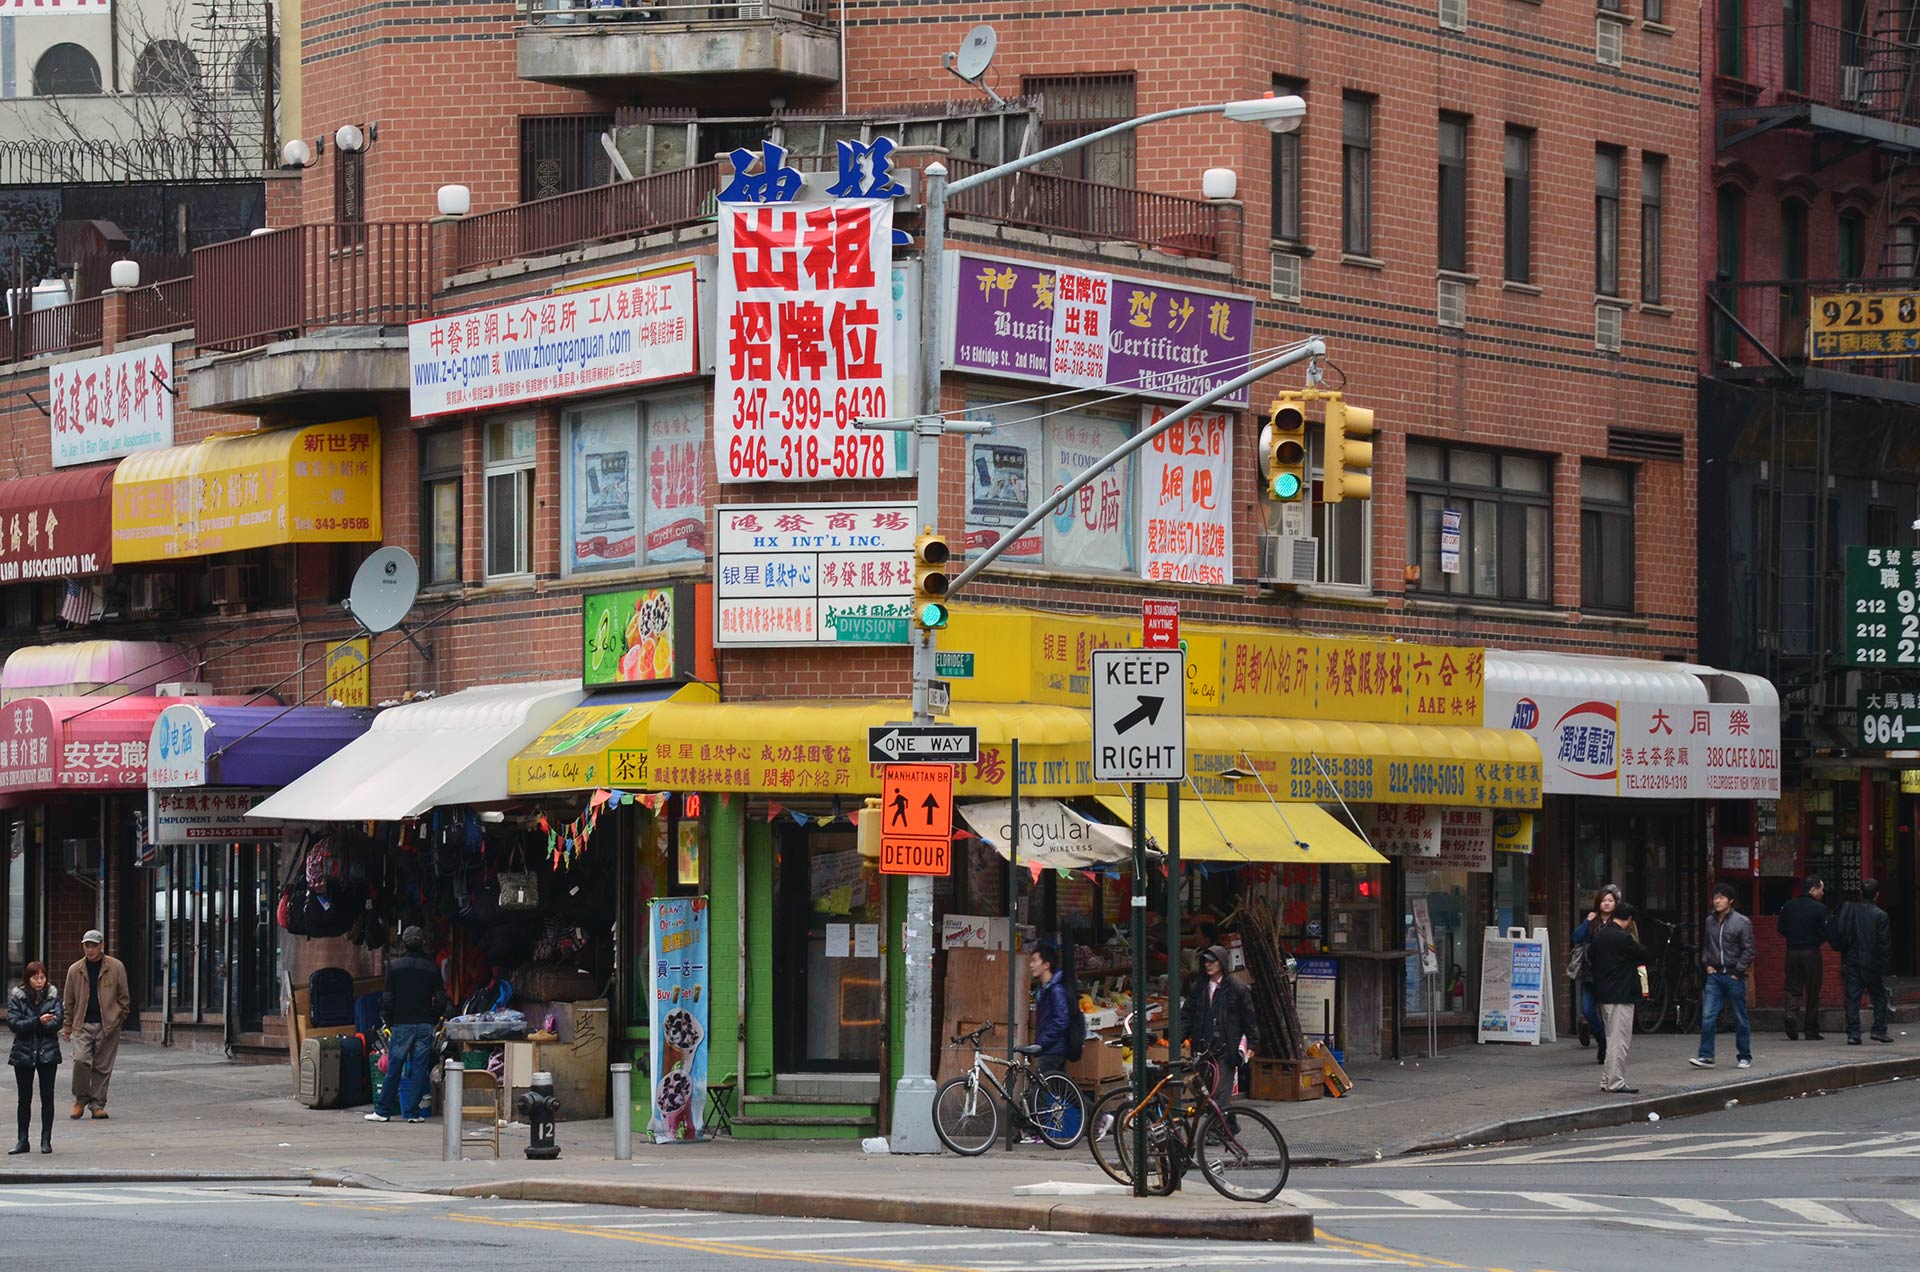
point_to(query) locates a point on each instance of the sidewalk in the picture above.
(179, 1114)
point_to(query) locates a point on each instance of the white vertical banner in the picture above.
(1079, 347)
(1186, 499)
(806, 316)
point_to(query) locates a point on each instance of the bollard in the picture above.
(452, 1096)
(622, 1083)
(539, 1106)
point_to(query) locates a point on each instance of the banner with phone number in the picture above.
(806, 317)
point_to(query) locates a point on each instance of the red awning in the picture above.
(58, 525)
(92, 743)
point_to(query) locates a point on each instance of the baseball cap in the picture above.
(93, 937)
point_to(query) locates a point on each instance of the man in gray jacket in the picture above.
(1726, 951)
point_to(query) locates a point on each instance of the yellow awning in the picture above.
(596, 744)
(318, 484)
(1229, 830)
(1309, 760)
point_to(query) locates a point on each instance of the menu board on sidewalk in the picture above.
(1516, 1001)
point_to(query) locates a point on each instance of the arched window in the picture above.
(65, 70)
(1906, 248)
(166, 66)
(1851, 249)
(250, 71)
(1793, 239)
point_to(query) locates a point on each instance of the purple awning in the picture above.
(271, 746)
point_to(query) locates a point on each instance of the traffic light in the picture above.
(1283, 450)
(930, 581)
(866, 829)
(1346, 454)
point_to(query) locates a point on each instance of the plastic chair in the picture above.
(482, 1094)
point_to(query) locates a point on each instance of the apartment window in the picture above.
(635, 490)
(1606, 221)
(1851, 246)
(1793, 239)
(441, 462)
(1345, 529)
(1075, 105)
(1286, 170)
(1499, 508)
(1606, 537)
(1453, 193)
(1653, 181)
(509, 497)
(66, 70)
(1519, 205)
(1656, 11)
(1356, 170)
(1732, 37)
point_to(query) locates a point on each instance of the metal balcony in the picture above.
(1759, 335)
(1850, 89)
(611, 41)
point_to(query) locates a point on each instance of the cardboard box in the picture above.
(1097, 1064)
(1287, 1079)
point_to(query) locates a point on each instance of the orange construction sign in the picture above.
(916, 819)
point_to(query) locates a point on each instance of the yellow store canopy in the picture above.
(318, 484)
(1231, 831)
(600, 743)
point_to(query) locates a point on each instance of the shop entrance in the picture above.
(830, 1005)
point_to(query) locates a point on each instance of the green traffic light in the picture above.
(1286, 485)
(933, 615)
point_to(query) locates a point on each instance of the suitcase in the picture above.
(354, 1081)
(320, 1072)
(330, 997)
(366, 1015)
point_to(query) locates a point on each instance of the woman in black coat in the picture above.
(33, 1013)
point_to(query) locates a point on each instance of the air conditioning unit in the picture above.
(1286, 277)
(1450, 310)
(1289, 560)
(1609, 41)
(153, 595)
(229, 585)
(1606, 328)
(1453, 14)
(1853, 84)
(82, 857)
(184, 689)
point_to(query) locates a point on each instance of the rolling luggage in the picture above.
(354, 1079)
(330, 997)
(320, 1073)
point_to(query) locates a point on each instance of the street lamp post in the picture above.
(913, 1097)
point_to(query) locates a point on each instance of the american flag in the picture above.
(83, 603)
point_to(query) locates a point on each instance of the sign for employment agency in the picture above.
(814, 574)
(639, 331)
(210, 815)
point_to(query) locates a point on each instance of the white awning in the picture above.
(1052, 835)
(1638, 728)
(451, 750)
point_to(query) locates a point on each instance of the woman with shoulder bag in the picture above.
(1604, 905)
(33, 1013)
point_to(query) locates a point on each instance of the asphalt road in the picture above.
(1781, 1186)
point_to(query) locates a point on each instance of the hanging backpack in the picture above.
(1076, 1027)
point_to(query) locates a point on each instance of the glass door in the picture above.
(831, 1009)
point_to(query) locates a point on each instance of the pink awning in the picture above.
(93, 743)
(74, 668)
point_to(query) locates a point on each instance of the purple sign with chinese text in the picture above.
(1161, 341)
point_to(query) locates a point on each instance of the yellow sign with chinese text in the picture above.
(349, 681)
(1864, 325)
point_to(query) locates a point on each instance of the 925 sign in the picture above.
(1881, 625)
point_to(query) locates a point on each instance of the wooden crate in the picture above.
(1286, 1079)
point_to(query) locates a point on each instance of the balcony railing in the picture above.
(1090, 210)
(57, 329)
(164, 306)
(624, 209)
(1785, 63)
(285, 283)
(563, 13)
(1778, 314)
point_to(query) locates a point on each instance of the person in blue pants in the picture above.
(414, 1001)
(1604, 905)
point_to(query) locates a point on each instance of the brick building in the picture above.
(1480, 219)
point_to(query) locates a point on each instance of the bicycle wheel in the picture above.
(1104, 1122)
(966, 1117)
(1056, 1110)
(1650, 1013)
(1167, 1140)
(1686, 1007)
(1242, 1154)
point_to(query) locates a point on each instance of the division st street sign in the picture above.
(1139, 715)
(936, 743)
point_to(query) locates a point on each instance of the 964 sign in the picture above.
(1881, 625)
(1890, 729)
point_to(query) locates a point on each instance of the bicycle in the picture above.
(1675, 983)
(966, 1109)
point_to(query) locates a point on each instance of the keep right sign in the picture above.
(1139, 715)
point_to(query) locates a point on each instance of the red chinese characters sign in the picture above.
(806, 341)
(48, 742)
(116, 404)
(1186, 484)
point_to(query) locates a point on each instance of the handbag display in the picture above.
(519, 889)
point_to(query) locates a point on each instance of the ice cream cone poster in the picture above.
(677, 1020)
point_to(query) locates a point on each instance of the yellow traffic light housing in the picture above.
(930, 580)
(1283, 450)
(1346, 452)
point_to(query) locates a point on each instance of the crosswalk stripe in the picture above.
(1698, 1209)
(1905, 1206)
(1560, 1201)
(1814, 1212)
(1420, 1200)
(1310, 1201)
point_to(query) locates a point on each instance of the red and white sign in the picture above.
(1078, 351)
(1649, 750)
(805, 337)
(1186, 499)
(112, 405)
(638, 332)
(212, 815)
(1160, 624)
(55, 8)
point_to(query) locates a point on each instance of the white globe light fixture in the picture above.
(454, 200)
(1219, 183)
(350, 138)
(297, 153)
(124, 274)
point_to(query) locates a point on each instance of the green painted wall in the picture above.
(896, 981)
(759, 915)
(723, 934)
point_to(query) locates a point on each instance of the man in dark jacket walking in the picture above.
(1726, 952)
(1616, 959)
(414, 1001)
(1803, 925)
(1864, 938)
(1218, 1014)
(1050, 1010)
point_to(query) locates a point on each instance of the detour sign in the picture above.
(916, 819)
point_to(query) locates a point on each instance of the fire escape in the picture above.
(1847, 95)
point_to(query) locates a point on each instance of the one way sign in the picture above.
(1139, 715)
(934, 743)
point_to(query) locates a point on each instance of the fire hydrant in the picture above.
(540, 1106)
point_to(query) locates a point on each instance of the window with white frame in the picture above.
(1480, 522)
(509, 496)
(634, 484)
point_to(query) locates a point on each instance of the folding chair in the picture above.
(482, 1096)
(720, 1106)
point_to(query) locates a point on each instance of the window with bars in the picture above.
(1286, 169)
(1075, 105)
(1453, 192)
(1356, 172)
(562, 153)
(1519, 205)
(1480, 523)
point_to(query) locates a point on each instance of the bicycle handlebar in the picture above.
(973, 1039)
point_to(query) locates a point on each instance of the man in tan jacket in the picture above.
(97, 1005)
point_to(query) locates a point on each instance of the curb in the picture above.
(1779, 1086)
(1267, 1223)
(99, 1175)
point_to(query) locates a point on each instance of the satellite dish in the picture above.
(383, 589)
(976, 53)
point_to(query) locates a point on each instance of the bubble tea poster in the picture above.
(677, 1023)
